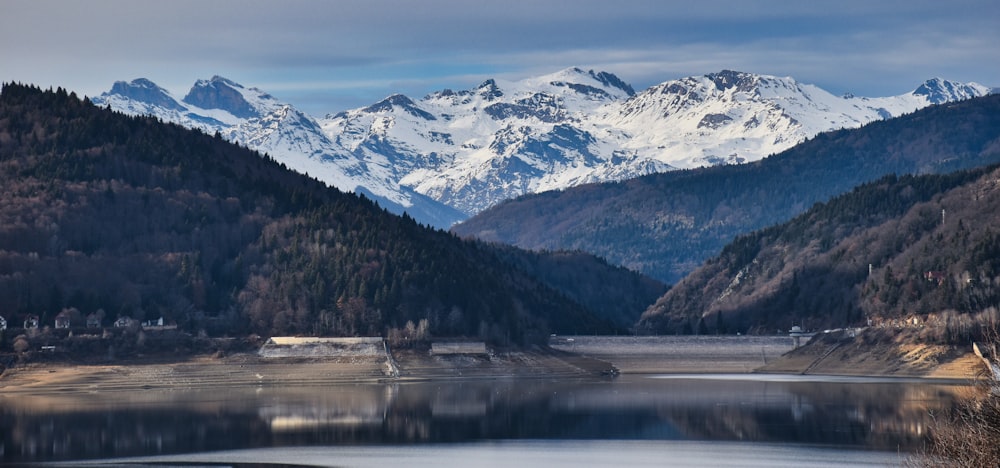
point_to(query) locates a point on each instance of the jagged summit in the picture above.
(223, 94)
(937, 90)
(401, 102)
(489, 90)
(569, 81)
(144, 90)
(609, 79)
(741, 81)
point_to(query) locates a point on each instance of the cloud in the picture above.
(362, 50)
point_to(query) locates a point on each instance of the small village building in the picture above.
(935, 276)
(797, 333)
(153, 323)
(93, 321)
(123, 322)
(3, 323)
(31, 322)
(63, 320)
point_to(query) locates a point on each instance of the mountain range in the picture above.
(665, 225)
(452, 154)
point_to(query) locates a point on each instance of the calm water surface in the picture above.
(723, 420)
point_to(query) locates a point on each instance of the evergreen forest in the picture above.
(105, 216)
(900, 251)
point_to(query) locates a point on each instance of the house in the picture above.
(797, 333)
(123, 322)
(93, 321)
(63, 320)
(935, 276)
(31, 321)
(3, 324)
(153, 323)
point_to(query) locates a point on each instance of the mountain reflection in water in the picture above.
(854, 413)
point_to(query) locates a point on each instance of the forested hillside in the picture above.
(909, 249)
(616, 294)
(113, 216)
(665, 225)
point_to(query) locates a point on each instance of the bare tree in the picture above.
(970, 435)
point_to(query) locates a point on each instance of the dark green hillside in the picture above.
(924, 247)
(665, 225)
(616, 294)
(100, 212)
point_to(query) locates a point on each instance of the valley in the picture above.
(535, 234)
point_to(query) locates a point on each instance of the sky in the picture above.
(328, 56)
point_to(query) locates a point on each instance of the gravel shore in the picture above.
(568, 357)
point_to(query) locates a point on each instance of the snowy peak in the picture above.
(740, 81)
(938, 91)
(571, 89)
(584, 84)
(220, 93)
(146, 91)
(400, 102)
(489, 90)
(610, 80)
(723, 86)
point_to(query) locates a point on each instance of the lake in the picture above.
(678, 420)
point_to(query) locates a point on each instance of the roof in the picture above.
(466, 347)
(294, 340)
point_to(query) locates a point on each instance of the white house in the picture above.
(63, 320)
(31, 321)
(123, 322)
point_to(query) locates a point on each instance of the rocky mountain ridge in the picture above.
(451, 154)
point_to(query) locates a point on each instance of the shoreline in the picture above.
(566, 358)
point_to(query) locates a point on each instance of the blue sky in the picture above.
(327, 56)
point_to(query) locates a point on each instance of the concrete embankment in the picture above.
(678, 354)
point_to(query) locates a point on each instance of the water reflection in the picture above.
(853, 413)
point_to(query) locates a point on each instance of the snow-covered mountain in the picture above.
(454, 153)
(250, 117)
(734, 117)
(472, 149)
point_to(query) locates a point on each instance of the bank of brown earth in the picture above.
(239, 370)
(871, 353)
(878, 352)
(536, 362)
(253, 370)
(867, 354)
